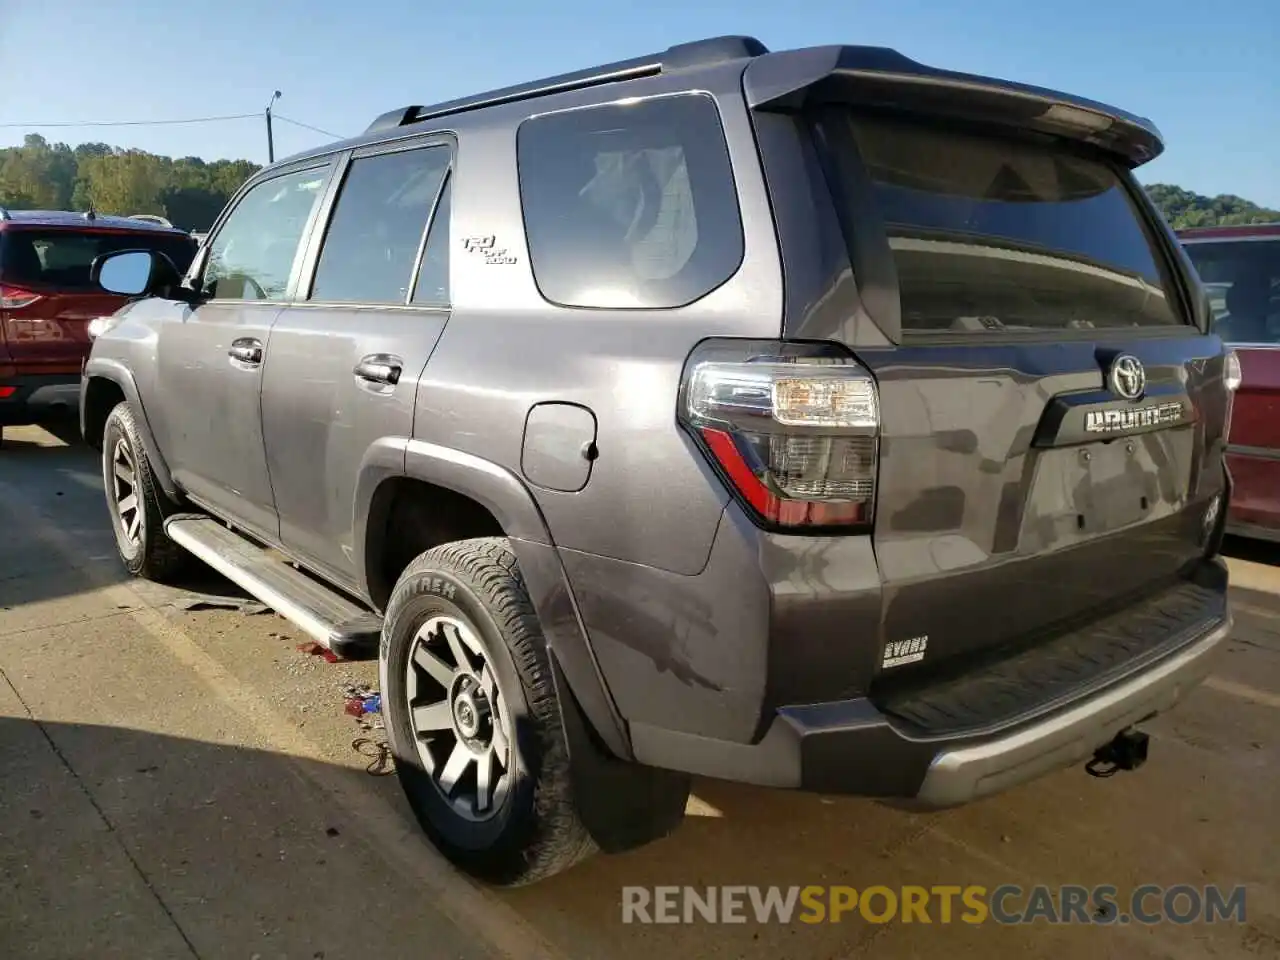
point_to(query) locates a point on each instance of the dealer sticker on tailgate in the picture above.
(898, 652)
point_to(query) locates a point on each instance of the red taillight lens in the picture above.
(15, 298)
(794, 428)
(7, 392)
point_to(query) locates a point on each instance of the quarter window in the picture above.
(630, 205)
(251, 256)
(376, 231)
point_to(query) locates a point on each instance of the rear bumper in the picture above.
(851, 747)
(962, 774)
(39, 397)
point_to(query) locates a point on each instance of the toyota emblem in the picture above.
(1127, 377)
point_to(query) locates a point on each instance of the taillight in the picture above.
(7, 392)
(15, 298)
(793, 427)
(1232, 376)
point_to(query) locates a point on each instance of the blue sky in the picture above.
(1207, 73)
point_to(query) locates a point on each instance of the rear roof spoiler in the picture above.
(880, 77)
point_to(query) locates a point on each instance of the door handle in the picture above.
(379, 368)
(246, 350)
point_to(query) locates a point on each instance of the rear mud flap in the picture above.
(622, 804)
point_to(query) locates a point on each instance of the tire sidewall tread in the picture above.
(156, 557)
(538, 832)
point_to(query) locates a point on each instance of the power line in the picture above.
(133, 123)
(307, 126)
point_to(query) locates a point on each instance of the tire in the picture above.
(144, 548)
(472, 592)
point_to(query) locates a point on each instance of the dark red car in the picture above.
(47, 301)
(1240, 267)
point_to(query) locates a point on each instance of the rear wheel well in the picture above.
(100, 397)
(408, 517)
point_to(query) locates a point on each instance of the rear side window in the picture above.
(630, 206)
(377, 226)
(63, 258)
(1242, 278)
(991, 234)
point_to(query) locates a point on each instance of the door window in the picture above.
(432, 289)
(377, 227)
(251, 256)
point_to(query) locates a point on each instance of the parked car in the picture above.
(1240, 266)
(516, 383)
(48, 300)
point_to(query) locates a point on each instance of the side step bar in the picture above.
(326, 616)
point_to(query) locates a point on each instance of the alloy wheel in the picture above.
(459, 718)
(125, 492)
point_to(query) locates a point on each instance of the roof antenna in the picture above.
(91, 214)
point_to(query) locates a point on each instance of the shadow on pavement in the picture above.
(124, 843)
(1255, 551)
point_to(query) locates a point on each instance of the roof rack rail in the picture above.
(151, 218)
(4, 214)
(699, 53)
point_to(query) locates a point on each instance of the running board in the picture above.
(326, 616)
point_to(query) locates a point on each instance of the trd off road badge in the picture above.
(487, 247)
(898, 652)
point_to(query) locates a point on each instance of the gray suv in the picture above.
(815, 419)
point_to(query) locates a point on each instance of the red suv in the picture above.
(1240, 268)
(47, 301)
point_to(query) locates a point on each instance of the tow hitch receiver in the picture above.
(1128, 751)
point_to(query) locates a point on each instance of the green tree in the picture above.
(189, 191)
(1184, 208)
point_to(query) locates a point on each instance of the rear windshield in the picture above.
(996, 234)
(62, 258)
(1243, 281)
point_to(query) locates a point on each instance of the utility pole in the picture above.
(271, 144)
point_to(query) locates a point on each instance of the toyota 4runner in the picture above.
(816, 419)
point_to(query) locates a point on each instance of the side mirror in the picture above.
(135, 273)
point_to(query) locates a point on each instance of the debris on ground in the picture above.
(364, 703)
(213, 601)
(318, 650)
(359, 706)
(380, 763)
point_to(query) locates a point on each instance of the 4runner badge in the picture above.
(898, 652)
(1134, 418)
(488, 248)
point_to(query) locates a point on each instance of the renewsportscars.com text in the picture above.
(1005, 904)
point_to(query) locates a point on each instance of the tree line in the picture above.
(1185, 208)
(190, 192)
